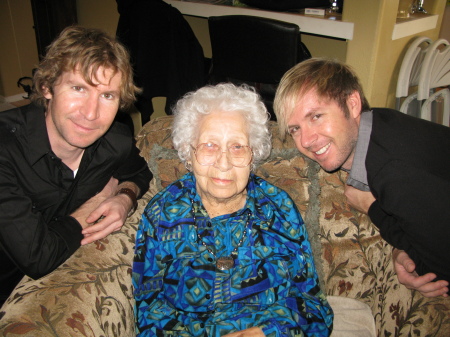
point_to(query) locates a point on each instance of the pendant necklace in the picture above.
(223, 262)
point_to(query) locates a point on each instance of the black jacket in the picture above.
(408, 170)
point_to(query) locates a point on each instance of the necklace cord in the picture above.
(225, 262)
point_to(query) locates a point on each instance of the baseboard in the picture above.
(15, 98)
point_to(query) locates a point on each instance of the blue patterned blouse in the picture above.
(272, 285)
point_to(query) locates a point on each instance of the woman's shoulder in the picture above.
(263, 186)
(269, 194)
(171, 203)
(273, 200)
(177, 191)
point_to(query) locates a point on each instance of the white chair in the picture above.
(411, 106)
(442, 96)
(435, 70)
(426, 65)
(410, 68)
(435, 73)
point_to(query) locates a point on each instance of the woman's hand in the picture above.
(252, 332)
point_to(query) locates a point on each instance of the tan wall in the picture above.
(18, 42)
(445, 27)
(98, 14)
(17, 36)
(372, 52)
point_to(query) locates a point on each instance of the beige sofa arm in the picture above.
(89, 295)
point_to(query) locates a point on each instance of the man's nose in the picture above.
(90, 108)
(308, 137)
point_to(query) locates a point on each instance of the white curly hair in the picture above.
(224, 97)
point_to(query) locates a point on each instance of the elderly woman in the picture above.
(221, 252)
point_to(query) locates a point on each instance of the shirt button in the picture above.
(209, 224)
(208, 296)
(210, 259)
(202, 325)
(13, 129)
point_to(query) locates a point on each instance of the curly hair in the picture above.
(330, 78)
(190, 109)
(85, 50)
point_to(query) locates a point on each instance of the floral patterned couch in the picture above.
(91, 293)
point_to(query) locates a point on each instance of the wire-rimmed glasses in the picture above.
(208, 154)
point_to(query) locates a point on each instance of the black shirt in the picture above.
(38, 192)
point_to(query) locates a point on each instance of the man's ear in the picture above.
(47, 92)
(354, 104)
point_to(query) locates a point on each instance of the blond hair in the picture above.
(331, 79)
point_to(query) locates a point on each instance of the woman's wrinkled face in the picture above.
(221, 182)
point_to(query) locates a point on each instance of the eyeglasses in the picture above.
(208, 154)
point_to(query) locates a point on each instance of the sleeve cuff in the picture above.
(69, 229)
(141, 179)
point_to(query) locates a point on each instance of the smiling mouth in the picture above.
(83, 128)
(222, 181)
(323, 150)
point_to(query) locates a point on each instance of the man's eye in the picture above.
(77, 88)
(316, 117)
(293, 130)
(108, 96)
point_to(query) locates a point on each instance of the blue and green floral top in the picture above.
(273, 284)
